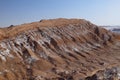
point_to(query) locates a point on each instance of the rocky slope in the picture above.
(59, 49)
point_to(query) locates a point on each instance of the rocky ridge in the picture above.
(59, 49)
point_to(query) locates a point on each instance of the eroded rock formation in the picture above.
(59, 49)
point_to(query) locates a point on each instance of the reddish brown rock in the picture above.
(58, 49)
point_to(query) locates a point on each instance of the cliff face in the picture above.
(59, 49)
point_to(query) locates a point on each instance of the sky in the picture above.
(99, 12)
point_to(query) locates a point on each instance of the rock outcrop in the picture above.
(59, 49)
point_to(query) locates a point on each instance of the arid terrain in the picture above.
(59, 49)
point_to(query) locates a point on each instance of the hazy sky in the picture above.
(100, 12)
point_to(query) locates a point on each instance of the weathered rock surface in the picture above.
(59, 49)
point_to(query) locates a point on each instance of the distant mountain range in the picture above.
(115, 29)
